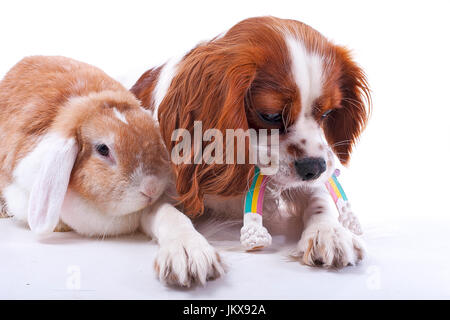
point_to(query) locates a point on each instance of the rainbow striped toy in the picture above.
(346, 216)
(253, 234)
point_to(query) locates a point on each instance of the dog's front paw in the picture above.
(329, 244)
(188, 260)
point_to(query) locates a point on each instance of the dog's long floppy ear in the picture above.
(50, 187)
(345, 124)
(210, 87)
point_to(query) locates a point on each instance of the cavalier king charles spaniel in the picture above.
(263, 73)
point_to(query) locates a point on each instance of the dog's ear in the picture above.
(143, 88)
(210, 87)
(345, 124)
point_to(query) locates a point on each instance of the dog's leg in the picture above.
(325, 241)
(185, 257)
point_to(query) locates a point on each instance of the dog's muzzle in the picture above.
(310, 168)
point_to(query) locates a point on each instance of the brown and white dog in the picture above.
(262, 73)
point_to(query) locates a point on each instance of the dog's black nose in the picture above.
(310, 168)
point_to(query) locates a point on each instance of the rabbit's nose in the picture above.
(149, 187)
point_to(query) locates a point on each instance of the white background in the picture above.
(397, 180)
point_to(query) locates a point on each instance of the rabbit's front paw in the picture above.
(188, 260)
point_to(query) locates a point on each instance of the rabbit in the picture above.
(77, 150)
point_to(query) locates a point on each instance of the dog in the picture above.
(263, 73)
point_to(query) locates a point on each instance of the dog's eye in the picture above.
(325, 114)
(102, 149)
(271, 117)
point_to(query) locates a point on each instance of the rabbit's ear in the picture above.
(50, 187)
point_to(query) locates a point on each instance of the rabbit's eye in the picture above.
(102, 149)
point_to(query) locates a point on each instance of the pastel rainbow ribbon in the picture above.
(335, 189)
(255, 196)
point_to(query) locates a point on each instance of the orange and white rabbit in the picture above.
(76, 148)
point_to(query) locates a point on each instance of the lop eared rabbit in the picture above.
(76, 149)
